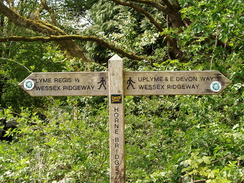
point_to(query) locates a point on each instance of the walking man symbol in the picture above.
(130, 83)
(102, 83)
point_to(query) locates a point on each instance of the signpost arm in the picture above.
(116, 120)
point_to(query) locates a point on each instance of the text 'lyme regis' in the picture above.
(56, 80)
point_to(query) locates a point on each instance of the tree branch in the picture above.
(42, 27)
(143, 11)
(61, 38)
(22, 21)
(167, 8)
(46, 7)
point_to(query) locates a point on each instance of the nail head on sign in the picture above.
(215, 86)
(29, 84)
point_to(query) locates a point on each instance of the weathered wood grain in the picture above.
(173, 82)
(116, 120)
(134, 83)
(68, 84)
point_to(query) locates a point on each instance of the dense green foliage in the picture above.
(168, 138)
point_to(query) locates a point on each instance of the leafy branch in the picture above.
(171, 42)
(45, 28)
(6, 59)
(74, 37)
(143, 11)
(170, 9)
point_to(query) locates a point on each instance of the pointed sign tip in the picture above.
(115, 57)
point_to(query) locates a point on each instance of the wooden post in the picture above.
(116, 120)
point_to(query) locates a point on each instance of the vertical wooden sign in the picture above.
(116, 120)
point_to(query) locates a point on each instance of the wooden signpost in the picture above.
(116, 84)
(116, 120)
(66, 84)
